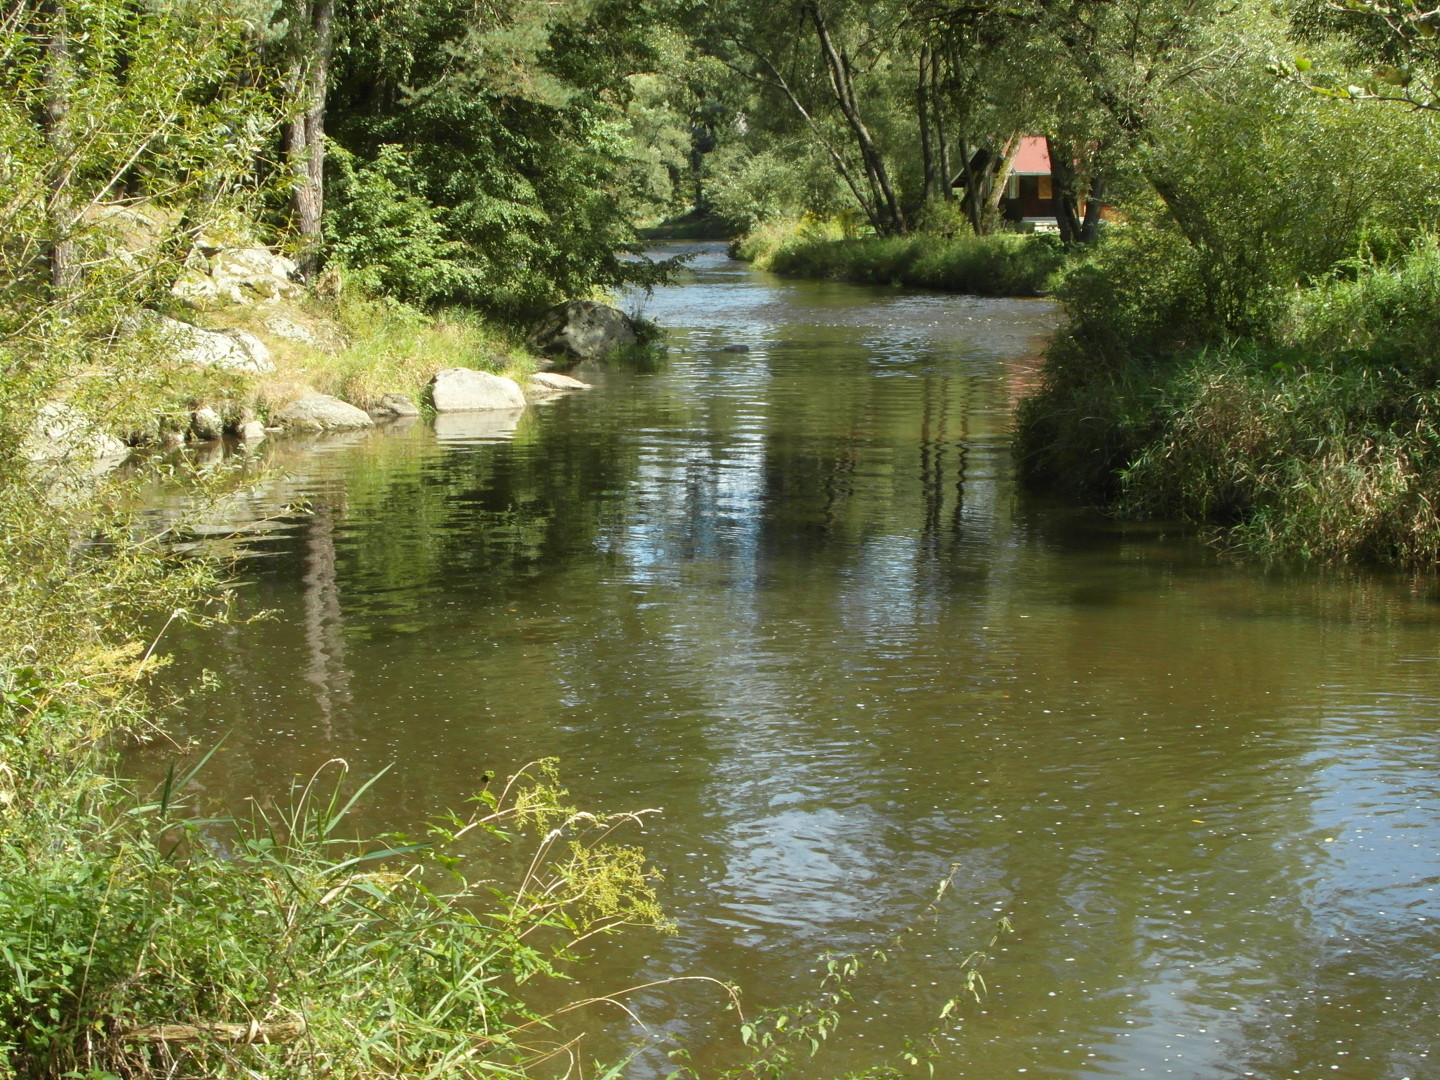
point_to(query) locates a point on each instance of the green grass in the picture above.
(1005, 264)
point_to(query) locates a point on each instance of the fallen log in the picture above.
(280, 1031)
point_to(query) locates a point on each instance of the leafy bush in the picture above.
(389, 236)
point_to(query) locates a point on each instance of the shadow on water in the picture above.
(791, 596)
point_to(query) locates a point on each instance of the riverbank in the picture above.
(1311, 435)
(1005, 264)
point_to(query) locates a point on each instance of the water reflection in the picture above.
(792, 597)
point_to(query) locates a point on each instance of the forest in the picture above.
(1244, 248)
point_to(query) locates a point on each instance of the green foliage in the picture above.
(503, 138)
(388, 236)
(752, 184)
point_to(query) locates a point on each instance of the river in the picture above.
(792, 598)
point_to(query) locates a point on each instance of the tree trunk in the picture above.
(937, 111)
(1094, 206)
(1064, 189)
(892, 218)
(60, 254)
(778, 81)
(312, 33)
(928, 156)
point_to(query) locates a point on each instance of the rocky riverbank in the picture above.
(245, 352)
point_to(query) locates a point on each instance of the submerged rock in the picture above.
(467, 390)
(321, 412)
(736, 349)
(549, 384)
(582, 330)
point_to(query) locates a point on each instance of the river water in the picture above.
(792, 598)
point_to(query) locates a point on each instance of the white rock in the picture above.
(205, 423)
(466, 390)
(225, 276)
(228, 350)
(251, 432)
(320, 412)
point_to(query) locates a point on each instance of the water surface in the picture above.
(793, 598)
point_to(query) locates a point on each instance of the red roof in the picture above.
(1033, 158)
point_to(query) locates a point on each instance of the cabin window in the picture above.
(1012, 187)
(1043, 189)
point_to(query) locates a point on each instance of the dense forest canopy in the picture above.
(500, 155)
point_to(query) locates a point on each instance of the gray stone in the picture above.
(553, 380)
(251, 432)
(219, 277)
(581, 330)
(205, 423)
(466, 390)
(320, 412)
(228, 350)
(318, 334)
(64, 435)
(394, 405)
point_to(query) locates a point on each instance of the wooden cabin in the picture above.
(1029, 198)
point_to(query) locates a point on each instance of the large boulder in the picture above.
(467, 390)
(228, 350)
(581, 330)
(217, 277)
(320, 412)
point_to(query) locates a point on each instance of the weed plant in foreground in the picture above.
(142, 940)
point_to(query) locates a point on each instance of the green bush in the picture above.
(138, 942)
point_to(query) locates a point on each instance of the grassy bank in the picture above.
(1005, 264)
(361, 349)
(1314, 434)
